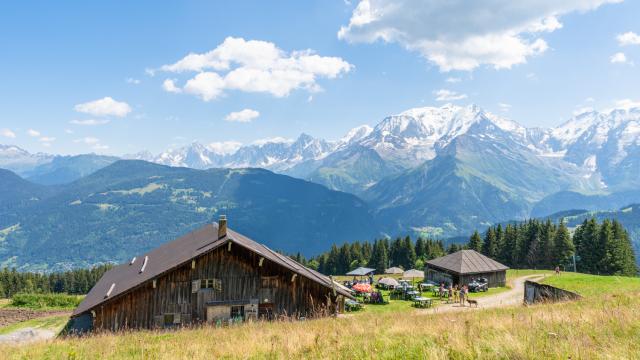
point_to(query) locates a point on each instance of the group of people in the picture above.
(454, 293)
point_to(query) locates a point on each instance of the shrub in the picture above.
(43, 301)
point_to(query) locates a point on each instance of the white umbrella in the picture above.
(393, 270)
(389, 282)
(413, 274)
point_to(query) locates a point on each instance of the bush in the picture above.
(44, 301)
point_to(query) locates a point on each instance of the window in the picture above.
(237, 312)
(269, 282)
(214, 284)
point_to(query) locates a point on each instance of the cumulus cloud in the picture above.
(169, 85)
(132, 81)
(90, 122)
(498, 33)
(47, 139)
(253, 66)
(504, 107)
(106, 106)
(627, 104)
(8, 133)
(448, 95)
(245, 115)
(33, 133)
(628, 38)
(453, 80)
(224, 147)
(619, 58)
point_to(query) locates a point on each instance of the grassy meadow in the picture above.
(605, 324)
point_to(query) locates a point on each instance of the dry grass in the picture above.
(600, 326)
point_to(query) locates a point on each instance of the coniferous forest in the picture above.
(78, 281)
(599, 248)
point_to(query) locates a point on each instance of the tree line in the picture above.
(599, 248)
(78, 281)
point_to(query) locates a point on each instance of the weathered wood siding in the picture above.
(240, 279)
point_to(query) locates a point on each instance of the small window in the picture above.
(168, 319)
(237, 312)
(215, 284)
(269, 282)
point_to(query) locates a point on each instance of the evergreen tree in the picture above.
(475, 242)
(563, 245)
(620, 254)
(490, 245)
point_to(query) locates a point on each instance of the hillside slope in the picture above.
(132, 206)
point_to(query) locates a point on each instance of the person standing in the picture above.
(463, 294)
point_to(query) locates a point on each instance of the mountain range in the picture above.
(436, 171)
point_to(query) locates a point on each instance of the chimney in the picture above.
(222, 226)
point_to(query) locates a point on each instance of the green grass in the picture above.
(54, 323)
(45, 301)
(593, 285)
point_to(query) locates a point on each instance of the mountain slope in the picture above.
(132, 206)
(17, 193)
(477, 179)
(65, 169)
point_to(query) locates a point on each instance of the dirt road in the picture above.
(514, 296)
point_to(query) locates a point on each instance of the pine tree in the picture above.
(563, 245)
(620, 254)
(475, 243)
(421, 248)
(490, 245)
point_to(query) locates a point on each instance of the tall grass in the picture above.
(604, 325)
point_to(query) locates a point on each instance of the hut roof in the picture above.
(467, 262)
(140, 269)
(394, 270)
(361, 271)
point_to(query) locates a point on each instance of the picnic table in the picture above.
(352, 305)
(422, 302)
(411, 294)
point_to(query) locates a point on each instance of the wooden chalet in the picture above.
(211, 275)
(463, 266)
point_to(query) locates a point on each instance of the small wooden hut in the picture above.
(213, 275)
(463, 266)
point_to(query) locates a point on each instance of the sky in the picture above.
(119, 77)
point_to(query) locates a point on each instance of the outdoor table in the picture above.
(411, 294)
(422, 302)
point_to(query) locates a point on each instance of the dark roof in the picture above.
(467, 262)
(180, 251)
(361, 271)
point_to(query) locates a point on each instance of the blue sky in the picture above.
(83, 77)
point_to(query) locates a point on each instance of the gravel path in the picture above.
(514, 296)
(27, 335)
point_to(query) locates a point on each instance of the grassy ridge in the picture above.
(604, 324)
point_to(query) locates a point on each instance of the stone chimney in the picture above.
(222, 226)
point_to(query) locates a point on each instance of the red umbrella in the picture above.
(363, 288)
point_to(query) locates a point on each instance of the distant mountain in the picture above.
(65, 169)
(16, 193)
(569, 200)
(131, 206)
(481, 177)
(18, 160)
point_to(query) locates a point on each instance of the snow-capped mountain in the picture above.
(18, 160)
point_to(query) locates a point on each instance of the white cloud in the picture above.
(462, 35)
(453, 80)
(245, 115)
(68, 131)
(628, 38)
(89, 140)
(33, 133)
(627, 104)
(448, 95)
(93, 142)
(47, 139)
(169, 85)
(106, 106)
(504, 107)
(90, 122)
(132, 81)
(8, 133)
(254, 66)
(224, 147)
(620, 58)
(277, 140)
